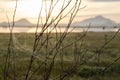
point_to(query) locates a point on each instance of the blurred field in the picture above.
(23, 45)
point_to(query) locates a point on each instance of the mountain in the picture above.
(4, 24)
(23, 22)
(98, 21)
(20, 23)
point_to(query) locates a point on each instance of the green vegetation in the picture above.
(89, 45)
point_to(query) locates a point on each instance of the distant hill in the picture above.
(19, 23)
(23, 22)
(4, 24)
(98, 21)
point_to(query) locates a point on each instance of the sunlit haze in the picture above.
(29, 9)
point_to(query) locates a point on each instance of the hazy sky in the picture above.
(29, 9)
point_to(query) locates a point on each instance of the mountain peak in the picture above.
(99, 17)
(97, 21)
(22, 22)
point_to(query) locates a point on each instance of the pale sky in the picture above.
(29, 9)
